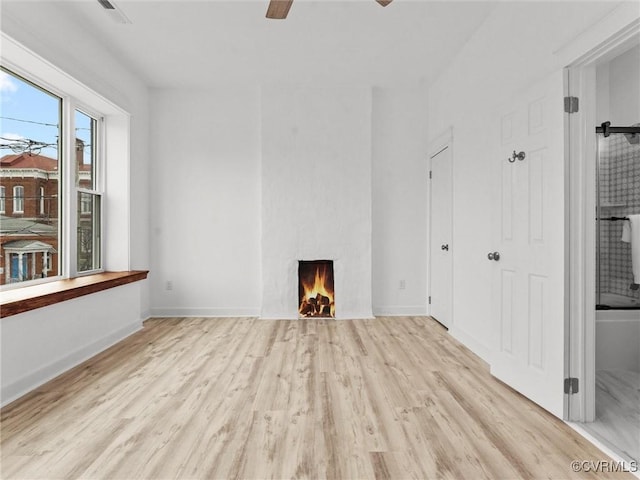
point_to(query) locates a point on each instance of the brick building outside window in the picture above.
(29, 221)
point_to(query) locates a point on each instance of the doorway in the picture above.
(604, 356)
(440, 254)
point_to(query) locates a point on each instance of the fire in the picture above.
(316, 287)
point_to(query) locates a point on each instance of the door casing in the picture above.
(580, 228)
(442, 143)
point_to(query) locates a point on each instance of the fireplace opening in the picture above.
(315, 289)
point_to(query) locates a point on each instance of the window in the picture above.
(2, 194)
(85, 205)
(41, 200)
(29, 145)
(18, 199)
(57, 159)
(89, 196)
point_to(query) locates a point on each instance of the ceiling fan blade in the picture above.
(384, 3)
(278, 9)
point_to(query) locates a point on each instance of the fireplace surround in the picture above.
(316, 195)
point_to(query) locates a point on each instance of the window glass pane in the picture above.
(88, 232)
(85, 150)
(41, 200)
(18, 199)
(29, 159)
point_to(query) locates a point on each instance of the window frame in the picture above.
(3, 197)
(67, 187)
(98, 184)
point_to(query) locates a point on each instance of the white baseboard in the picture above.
(471, 343)
(205, 312)
(399, 310)
(385, 311)
(39, 377)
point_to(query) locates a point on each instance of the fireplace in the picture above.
(315, 289)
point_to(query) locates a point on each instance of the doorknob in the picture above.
(494, 256)
(445, 247)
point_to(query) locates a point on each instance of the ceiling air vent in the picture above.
(106, 4)
(114, 11)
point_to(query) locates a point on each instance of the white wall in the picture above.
(39, 344)
(400, 169)
(205, 215)
(316, 194)
(257, 198)
(618, 89)
(519, 45)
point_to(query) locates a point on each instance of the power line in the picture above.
(31, 121)
(26, 145)
(41, 123)
(25, 140)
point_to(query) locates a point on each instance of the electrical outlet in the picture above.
(403, 285)
(169, 285)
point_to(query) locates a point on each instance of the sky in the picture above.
(26, 112)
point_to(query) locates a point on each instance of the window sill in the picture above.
(25, 299)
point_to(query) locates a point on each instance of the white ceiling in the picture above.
(206, 42)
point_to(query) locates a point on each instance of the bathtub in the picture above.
(615, 301)
(618, 340)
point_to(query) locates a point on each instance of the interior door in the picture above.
(440, 241)
(528, 252)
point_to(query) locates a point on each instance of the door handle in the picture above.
(444, 247)
(494, 256)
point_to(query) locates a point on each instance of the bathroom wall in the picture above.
(619, 192)
(618, 89)
(618, 101)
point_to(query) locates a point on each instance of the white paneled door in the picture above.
(528, 243)
(440, 242)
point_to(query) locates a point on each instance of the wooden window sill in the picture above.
(26, 299)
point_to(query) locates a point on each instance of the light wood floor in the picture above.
(617, 422)
(246, 398)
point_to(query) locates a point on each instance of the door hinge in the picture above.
(430, 174)
(571, 104)
(429, 299)
(570, 385)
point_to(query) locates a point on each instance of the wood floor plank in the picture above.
(203, 398)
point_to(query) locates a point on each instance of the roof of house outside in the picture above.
(24, 226)
(25, 160)
(28, 246)
(34, 161)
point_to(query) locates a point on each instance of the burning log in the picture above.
(322, 300)
(318, 306)
(307, 309)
